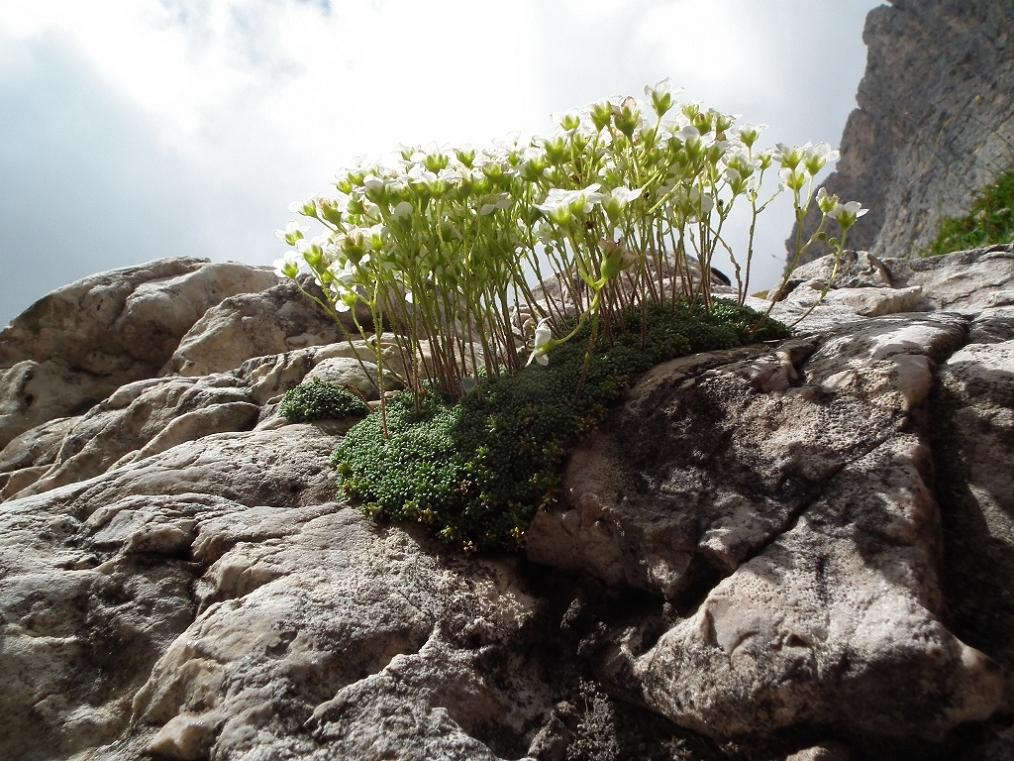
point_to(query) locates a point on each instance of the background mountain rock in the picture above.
(935, 121)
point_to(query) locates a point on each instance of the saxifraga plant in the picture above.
(625, 206)
(475, 471)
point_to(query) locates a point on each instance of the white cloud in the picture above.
(241, 105)
(719, 47)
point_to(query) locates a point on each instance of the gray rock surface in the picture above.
(974, 400)
(75, 346)
(934, 123)
(144, 418)
(273, 321)
(961, 281)
(213, 600)
(784, 551)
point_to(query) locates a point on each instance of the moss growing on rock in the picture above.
(317, 400)
(474, 472)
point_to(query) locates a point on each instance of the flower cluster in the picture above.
(625, 204)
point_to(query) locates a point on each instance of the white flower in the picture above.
(826, 203)
(420, 175)
(788, 157)
(748, 133)
(690, 134)
(287, 265)
(699, 202)
(308, 207)
(618, 199)
(561, 204)
(372, 182)
(501, 202)
(568, 121)
(292, 232)
(344, 275)
(403, 209)
(816, 157)
(543, 337)
(846, 214)
(624, 195)
(544, 232)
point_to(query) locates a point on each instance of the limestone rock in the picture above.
(833, 620)
(779, 499)
(856, 269)
(274, 321)
(764, 550)
(973, 439)
(75, 346)
(144, 418)
(866, 302)
(966, 281)
(934, 123)
(31, 453)
(347, 371)
(214, 599)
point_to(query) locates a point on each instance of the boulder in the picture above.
(34, 450)
(73, 347)
(781, 500)
(211, 601)
(144, 418)
(966, 281)
(274, 321)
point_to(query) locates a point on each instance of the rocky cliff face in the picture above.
(790, 551)
(935, 121)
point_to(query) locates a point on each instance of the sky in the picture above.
(132, 130)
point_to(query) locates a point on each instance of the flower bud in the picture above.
(627, 117)
(533, 169)
(436, 161)
(570, 122)
(703, 123)
(826, 203)
(610, 264)
(556, 150)
(722, 121)
(314, 256)
(601, 113)
(330, 212)
(661, 98)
